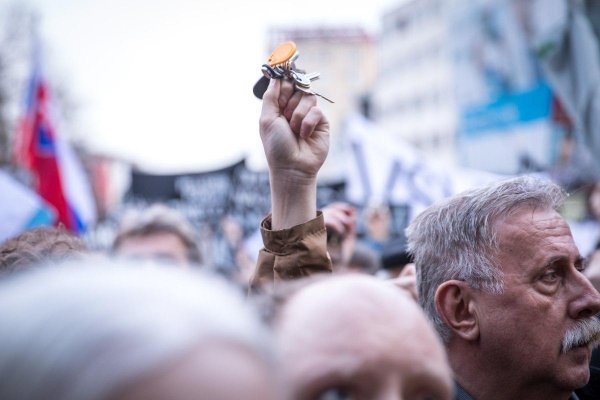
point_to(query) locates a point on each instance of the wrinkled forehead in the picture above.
(534, 230)
(529, 221)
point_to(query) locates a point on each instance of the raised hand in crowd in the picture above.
(295, 137)
(341, 218)
(340, 221)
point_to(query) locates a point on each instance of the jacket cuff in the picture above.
(284, 241)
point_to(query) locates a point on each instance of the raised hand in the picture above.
(294, 131)
(295, 137)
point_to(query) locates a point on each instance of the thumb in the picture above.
(270, 104)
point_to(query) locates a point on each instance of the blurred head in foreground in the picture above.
(117, 332)
(36, 246)
(355, 337)
(157, 233)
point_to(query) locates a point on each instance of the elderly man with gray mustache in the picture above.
(501, 278)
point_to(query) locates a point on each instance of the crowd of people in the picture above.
(485, 298)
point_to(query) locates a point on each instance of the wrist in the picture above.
(294, 200)
(290, 179)
(293, 188)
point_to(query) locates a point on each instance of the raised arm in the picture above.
(295, 137)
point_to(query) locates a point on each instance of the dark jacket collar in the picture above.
(461, 394)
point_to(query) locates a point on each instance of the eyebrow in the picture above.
(579, 261)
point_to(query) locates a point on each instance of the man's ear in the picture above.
(455, 305)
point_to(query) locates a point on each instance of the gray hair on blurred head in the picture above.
(77, 332)
(457, 239)
(159, 218)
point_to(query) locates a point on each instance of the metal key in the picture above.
(310, 91)
(303, 82)
(313, 76)
(300, 79)
(304, 79)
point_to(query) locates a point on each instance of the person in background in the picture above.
(114, 330)
(397, 265)
(377, 220)
(364, 260)
(340, 222)
(230, 256)
(584, 203)
(38, 246)
(395, 257)
(347, 254)
(158, 233)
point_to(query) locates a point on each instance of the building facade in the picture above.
(414, 95)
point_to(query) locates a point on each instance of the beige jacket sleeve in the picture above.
(292, 253)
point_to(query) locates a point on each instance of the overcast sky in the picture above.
(168, 83)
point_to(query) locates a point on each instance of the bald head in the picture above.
(359, 337)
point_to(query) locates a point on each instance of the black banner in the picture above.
(236, 191)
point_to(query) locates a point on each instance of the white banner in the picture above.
(20, 208)
(385, 169)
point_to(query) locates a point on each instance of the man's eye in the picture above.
(550, 277)
(337, 393)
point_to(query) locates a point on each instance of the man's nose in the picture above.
(587, 299)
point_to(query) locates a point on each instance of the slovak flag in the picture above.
(58, 175)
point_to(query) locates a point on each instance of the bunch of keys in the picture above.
(282, 65)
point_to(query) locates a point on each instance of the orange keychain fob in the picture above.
(282, 54)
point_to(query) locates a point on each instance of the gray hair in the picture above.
(159, 218)
(75, 332)
(456, 239)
